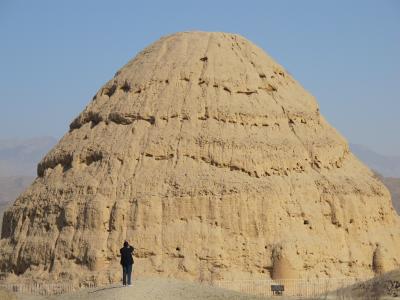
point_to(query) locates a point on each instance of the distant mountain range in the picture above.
(387, 169)
(388, 166)
(20, 157)
(18, 161)
(11, 187)
(393, 184)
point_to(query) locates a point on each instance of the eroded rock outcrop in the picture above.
(216, 164)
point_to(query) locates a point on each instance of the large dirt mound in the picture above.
(216, 164)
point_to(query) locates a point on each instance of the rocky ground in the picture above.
(386, 286)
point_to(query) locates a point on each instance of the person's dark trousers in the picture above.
(126, 274)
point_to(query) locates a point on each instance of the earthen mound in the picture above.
(215, 164)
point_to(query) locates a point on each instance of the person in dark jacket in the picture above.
(126, 262)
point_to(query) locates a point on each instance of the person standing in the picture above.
(126, 262)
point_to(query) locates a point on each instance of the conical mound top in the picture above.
(212, 57)
(227, 63)
(208, 56)
(211, 160)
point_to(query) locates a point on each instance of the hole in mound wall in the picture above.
(65, 160)
(67, 164)
(271, 88)
(227, 90)
(92, 157)
(126, 87)
(84, 118)
(95, 121)
(247, 92)
(151, 120)
(109, 91)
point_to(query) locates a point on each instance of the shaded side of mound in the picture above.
(3, 207)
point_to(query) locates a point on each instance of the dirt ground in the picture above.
(386, 287)
(149, 289)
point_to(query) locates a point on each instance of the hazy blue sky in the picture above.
(54, 55)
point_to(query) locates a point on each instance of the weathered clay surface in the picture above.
(216, 164)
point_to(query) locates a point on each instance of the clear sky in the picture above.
(54, 55)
